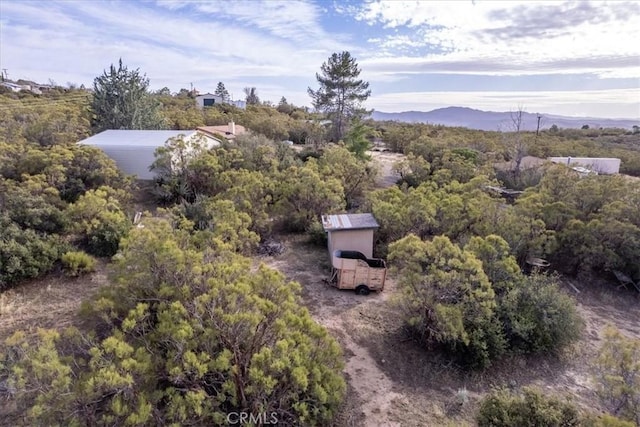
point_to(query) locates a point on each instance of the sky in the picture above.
(556, 57)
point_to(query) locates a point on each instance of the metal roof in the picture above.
(349, 222)
(133, 138)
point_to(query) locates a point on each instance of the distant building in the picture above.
(208, 100)
(17, 88)
(134, 150)
(14, 87)
(238, 104)
(601, 165)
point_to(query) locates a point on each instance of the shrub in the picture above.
(317, 235)
(605, 420)
(538, 316)
(447, 299)
(24, 254)
(618, 375)
(99, 220)
(531, 408)
(186, 335)
(78, 263)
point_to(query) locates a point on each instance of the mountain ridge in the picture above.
(499, 121)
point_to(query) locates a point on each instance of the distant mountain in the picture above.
(490, 120)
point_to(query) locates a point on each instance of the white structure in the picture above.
(133, 150)
(350, 232)
(238, 104)
(601, 165)
(208, 100)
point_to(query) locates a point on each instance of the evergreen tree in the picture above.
(222, 92)
(121, 100)
(341, 92)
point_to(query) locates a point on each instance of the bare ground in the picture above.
(385, 160)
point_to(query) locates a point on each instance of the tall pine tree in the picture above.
(222, 92)
(341, 93)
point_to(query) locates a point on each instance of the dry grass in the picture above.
(49, 302)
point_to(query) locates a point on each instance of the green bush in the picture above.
(531, 408)
(24, 254)
(447, 299)
(605, 420)
(78, 263)
(99, 221)
(618, 375)
(317, 235)
(104, 238)
(186, 335)
(538, 316)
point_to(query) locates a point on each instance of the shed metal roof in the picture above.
(349, 222)
(140, 138)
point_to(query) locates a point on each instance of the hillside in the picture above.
(491, 120)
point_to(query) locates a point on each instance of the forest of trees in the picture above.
(188, 332)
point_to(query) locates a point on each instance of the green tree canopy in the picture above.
(121, 100)
(222, 91)
(447, 298)
(341, 92)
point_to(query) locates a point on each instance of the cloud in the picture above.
(520, 37)
(623, 66)
(175, 44)
(618, 103)
(291, 20)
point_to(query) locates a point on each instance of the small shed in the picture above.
(350, 232)
(134, 150)
(350, 244)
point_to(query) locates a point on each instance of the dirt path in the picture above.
(385, 159)
(334, 309)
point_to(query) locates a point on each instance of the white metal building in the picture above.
(133, 150)
(601, 165)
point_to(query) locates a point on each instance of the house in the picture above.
(17, 88)
(601, 165)
(350, 232)
(14, 87)
(208, 100)
(133, 150)
(229, 131)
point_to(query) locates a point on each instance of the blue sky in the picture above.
(570, 58)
